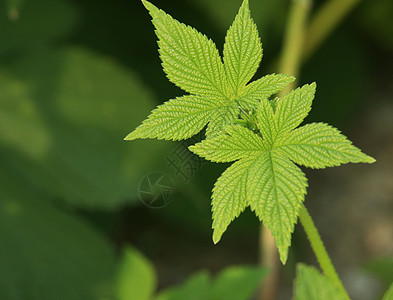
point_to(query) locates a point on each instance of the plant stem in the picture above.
(325, 20)
(319, 250)
(269, 259)
(294, 39)
(321, 25)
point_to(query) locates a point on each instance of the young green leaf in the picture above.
(237, 283)
(136, 277)
(265, 176)
(242, 50)
(233, 283)
(196, 287)
(310, 284)
(192, 62)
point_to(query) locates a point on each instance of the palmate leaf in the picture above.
(217, 88)
(265, 176)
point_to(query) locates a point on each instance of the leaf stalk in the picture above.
(320, 251)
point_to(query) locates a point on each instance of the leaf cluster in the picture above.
(265, 176)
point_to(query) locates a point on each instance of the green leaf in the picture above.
(264, 88)
(221, 117)
(197, 287)
(237, 283)
(320, 145)
(192, 62)
(47, 254)
(242, 50)
(238, 142)
(310, 284)
(190, 59)
(72, 107)
(136, 278)
(230, 196)
(389, 293)
(294, 107)
(265, 176)
(177, 119)
(277, 188)
(233, 283)
(266, 121)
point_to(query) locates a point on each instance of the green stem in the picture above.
(293, 40)
(320, 251)
(322, 24)
(325, 20)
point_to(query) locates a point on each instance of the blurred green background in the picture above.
(76, 76)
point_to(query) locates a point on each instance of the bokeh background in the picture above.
(76, 76)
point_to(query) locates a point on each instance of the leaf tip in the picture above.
(283, 255)
(145, 3)
(244, 9)
(291, 78)
(131, 136)
(369, 159)
(149, 6)
(216, 236)
(195, 149)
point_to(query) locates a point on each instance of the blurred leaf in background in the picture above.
(233, 283)
(66, 113)
(46, 254)
(310, 284)
(136, 279)
(195, 288)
